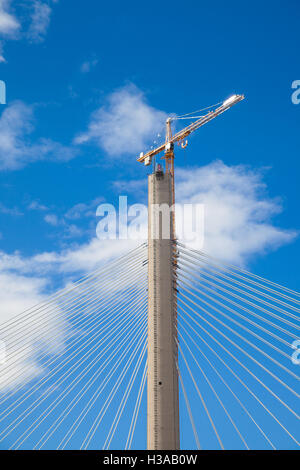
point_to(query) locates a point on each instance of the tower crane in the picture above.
(162, 374)
(181, 136)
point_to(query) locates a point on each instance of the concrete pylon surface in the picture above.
(162, 380)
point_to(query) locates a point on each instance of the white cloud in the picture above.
(24, 283)
(16, 124)
(51, 219)
(18, 293)
(78, 259)
(238, 225)
(40, 20)
(238, 212)
(238, 222)
(9, 25)
(126, 123)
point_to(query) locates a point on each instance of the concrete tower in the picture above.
(162, 388)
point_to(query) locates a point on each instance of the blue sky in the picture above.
(198, 58)
(88, 87)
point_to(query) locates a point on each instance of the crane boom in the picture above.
(179, 136)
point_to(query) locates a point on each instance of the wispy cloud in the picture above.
(13, 211)
(2, 58)
(37, 206)
(88, 65)
(126, 123)
(9, 24)
(65, 229)
(51, 219)
(16, 150)
(78, 211)
(40, 20)
(72, 223)
(31, 22)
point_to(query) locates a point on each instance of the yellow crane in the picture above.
(181, 136)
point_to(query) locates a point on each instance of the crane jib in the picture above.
(192, 127)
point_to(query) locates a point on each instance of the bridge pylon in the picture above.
(162, 380)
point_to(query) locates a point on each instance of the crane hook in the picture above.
(183, 144)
